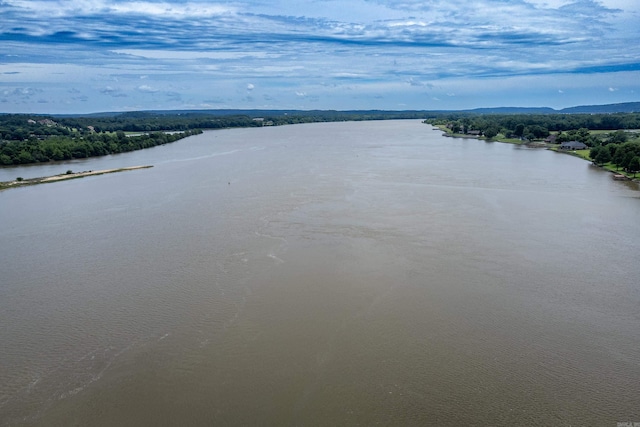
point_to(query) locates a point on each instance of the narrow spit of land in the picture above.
(65, 176)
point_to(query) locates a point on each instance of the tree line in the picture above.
(624, 156)
(31, 139)
(55, 148)
(617, 147)
(536, 126)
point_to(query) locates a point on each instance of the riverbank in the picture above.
(619, 175)
(448, 133)
(582, 154)
(18, 182)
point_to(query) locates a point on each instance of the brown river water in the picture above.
(367, 273)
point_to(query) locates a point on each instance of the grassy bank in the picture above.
(499, 138)
(583, 154)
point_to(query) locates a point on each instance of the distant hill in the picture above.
(513, 110)
(625, 107)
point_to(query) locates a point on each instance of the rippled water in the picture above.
(322, 274)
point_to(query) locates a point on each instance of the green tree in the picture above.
(539, 131)
(618, 154)
(519, 130)
(612, 148)
(466, 122)
(634, 165)
(24, 157)
(582, 134)
(491, 131)
(563, 137)
(602, 156)
(617, 137)
(628, 157)
(5, 160)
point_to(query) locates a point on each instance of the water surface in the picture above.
(322, 274)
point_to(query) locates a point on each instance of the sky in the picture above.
(85, 56)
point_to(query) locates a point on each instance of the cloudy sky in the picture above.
(81, 56)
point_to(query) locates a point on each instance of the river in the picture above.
(353, 273)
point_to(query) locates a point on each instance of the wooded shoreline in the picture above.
(617, 174)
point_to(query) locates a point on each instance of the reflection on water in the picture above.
(322, 274)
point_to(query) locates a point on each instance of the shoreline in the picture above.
(65, 176)
(617, 174)
(448, 134)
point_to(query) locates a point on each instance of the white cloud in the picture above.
(113, 92)
(197, 54)
(93, 7)
(346, 53)
(555, 4)
(147, 89)
(625, 5)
